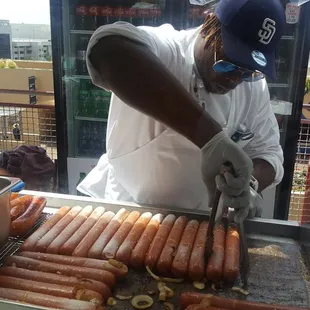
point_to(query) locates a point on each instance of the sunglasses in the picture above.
(223, 66)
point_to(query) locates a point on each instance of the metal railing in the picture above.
(25, 124)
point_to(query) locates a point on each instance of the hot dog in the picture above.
(48, 238)
(232, 254)
(166, 257)
(77, 261)
(190, 298)
(40, 276)
(65, 235)
(139, 252)
(25, 222)
(86, 243)
(215, 264)
(107, 233)
(29, 263)
(199, 307)
(46, 300)
(49, 289)
(180, 262)
(19, 207)
(159, 241)
(111, 248)
(13, 196)
(69, 246)
(196, 267)
(124, 252)
(30, 242)
(21, 201)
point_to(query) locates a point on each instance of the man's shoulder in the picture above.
(168, 32)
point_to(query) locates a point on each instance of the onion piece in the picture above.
(163, 279)
(123, 297)
(145, 299)
(199, 285)
(111, 301)
(240, 290)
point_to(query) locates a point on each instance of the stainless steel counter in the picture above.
(279, 252)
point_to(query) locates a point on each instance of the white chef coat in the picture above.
(147, 162)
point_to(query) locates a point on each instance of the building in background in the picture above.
(32, 49)
(5, 39)
(31, 31)
(25, 41)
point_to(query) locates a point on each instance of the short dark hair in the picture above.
(211, 32)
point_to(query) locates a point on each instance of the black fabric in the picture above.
(28, 163)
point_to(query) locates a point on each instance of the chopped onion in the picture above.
(163, 279)
(199, 285)
(240, 290)
(142, 302)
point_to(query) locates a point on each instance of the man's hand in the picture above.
(235, 188)
(254, 209)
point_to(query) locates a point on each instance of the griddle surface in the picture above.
(277, 275)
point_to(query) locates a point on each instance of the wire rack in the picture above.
(25, 124)
(14, 243)
(300, 195)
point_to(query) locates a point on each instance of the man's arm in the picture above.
(264, 173)
(138, 77)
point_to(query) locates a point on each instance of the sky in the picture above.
(25, 11)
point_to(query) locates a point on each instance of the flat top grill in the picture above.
(278, 274)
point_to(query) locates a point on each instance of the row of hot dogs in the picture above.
(171, 245)
(25, 211)
(197, 301)
(59, 281)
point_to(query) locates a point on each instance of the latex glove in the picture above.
(218, 151)
(254, 209)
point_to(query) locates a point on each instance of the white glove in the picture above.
(254, 209)
(218, 151)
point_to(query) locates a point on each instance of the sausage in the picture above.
(111, 248)
(139, 252)
(46, 300)
(25, 222)
(86, 243)
(124, 252)
(214, 270)
(232, 254)
(48, 238)
(29, 263)
(199, 307)
(68, 247)
(190, 298)
(77, 261)
(30, 242)
(65, 235)
(196, 267)
(179, 267)
(20, 207)
(21, 201)
(158, 242)
(80, 283)
(107, 233)
(171, 245)
(49, 288)
(13, 196)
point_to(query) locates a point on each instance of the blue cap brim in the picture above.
(242, 54)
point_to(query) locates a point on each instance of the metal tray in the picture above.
(278, 252)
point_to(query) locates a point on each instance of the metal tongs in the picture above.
(215, 203)
(244, 254)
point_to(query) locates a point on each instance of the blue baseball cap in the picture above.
(251, 31)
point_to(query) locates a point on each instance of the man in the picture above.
(178, 99)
